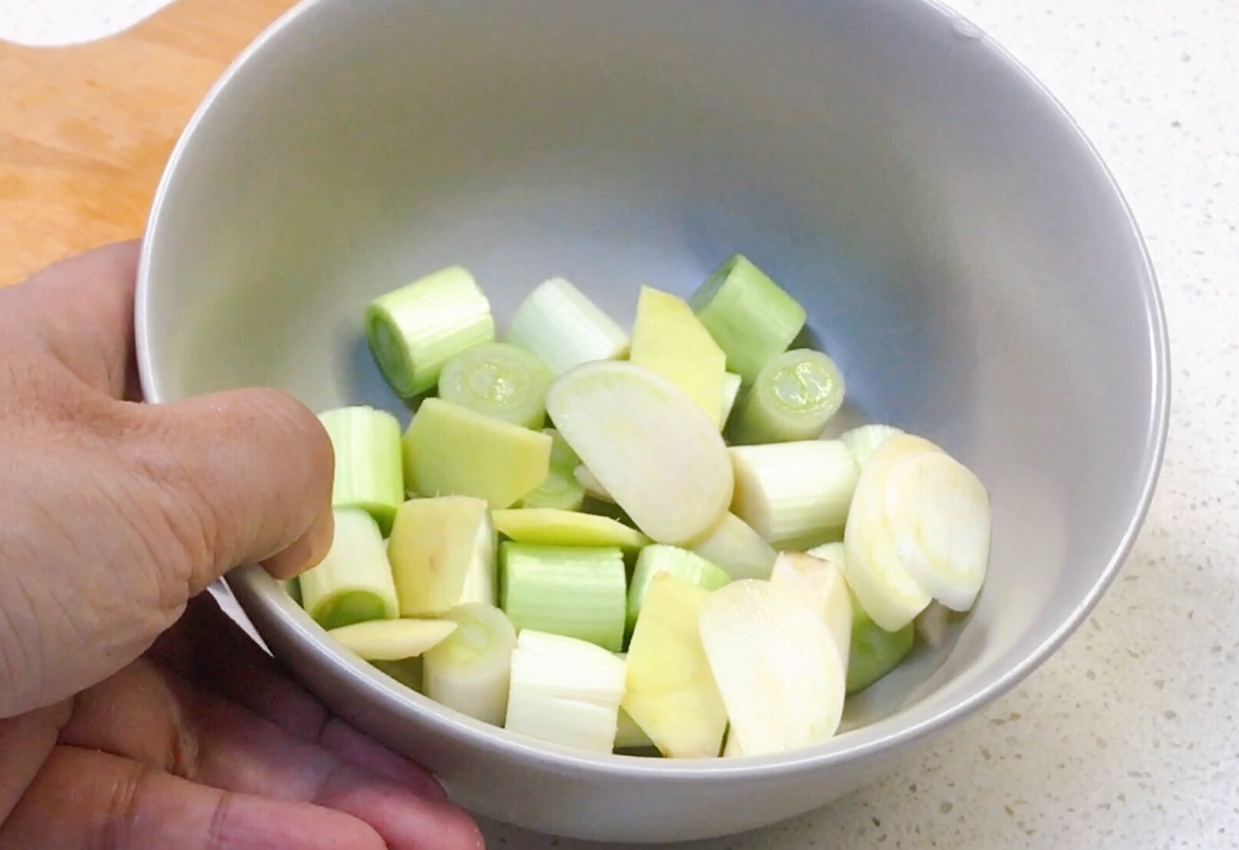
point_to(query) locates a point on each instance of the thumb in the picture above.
(247, 475)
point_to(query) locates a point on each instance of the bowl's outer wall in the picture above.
(959, 248)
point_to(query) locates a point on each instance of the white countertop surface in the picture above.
(1127, 737)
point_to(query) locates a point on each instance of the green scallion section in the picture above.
(560, 490)
(874, 651)
(749, 315)
(354, 583)
(499, 380)
(416, 329)
(369, 472)
(793, 398)
(679, 562)
(571, 591)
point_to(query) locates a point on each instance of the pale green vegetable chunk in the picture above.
(559, 324)
(392, 640)
(368, 471)
(442, 553)
(669, 340)
(470, 671)
(416, 329)
(863, 439)
(449, 450)
(565, 691)
(749, 315)
(873, 651)
(499, 380)
(793, 398)
(593, 487)
(560, 489)
(566, 590)
(737, 548)
(353, 583)
(681, 563)
(652, 448)
(795, 495)
(669, 690)
(566, 528)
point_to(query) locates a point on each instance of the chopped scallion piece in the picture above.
(414, 330)
(681, 563)
(499, 380)
(795, 495)
(737, 548)
(559, 324)
(653, 449)
(561, 489)
(565, 691)
(470, 671)
(368, 473)
(749, 315)
(592, 486)
(872, 565)
(353, 584)
(449, 450)
(862, 440)
(872, 651)
(565, 590)
(793, 398)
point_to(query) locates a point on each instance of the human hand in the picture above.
(116, 516)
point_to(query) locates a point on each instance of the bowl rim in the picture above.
(255, 589)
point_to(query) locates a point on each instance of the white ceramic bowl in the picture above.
(960, 249)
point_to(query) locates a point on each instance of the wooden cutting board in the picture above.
(85, 130)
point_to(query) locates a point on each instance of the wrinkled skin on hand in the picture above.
(133, 713)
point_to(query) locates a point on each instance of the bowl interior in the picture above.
(961, 252)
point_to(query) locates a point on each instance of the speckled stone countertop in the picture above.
(1126, 738)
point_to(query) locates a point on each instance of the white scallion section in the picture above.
(565, 691)
(791, 493)
(559, 324)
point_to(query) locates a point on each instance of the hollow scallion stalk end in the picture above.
(500, 380)
(414, 330)
(470, 671)
(793, 398)
(353, 583)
